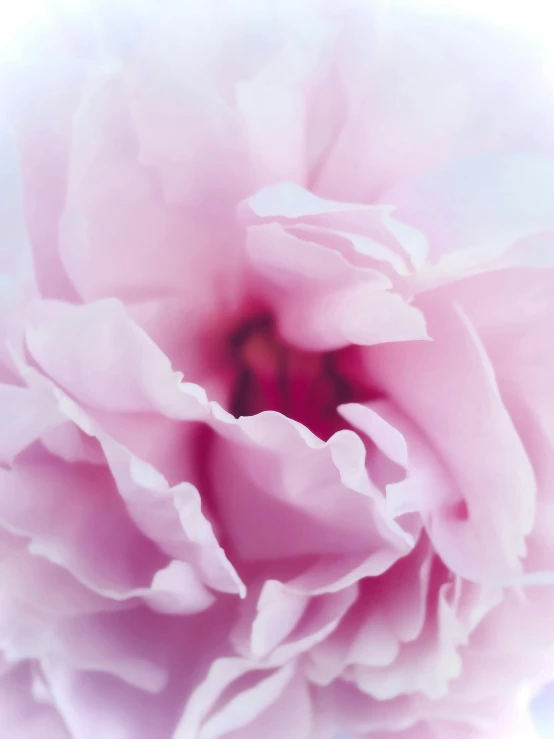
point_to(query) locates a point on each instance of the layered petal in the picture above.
(450, 373)
(276, 430)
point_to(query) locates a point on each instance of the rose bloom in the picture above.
(277, 374)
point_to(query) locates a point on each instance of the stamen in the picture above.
(271, 375)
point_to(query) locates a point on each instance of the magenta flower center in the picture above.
(270, 374)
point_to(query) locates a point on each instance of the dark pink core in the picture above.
(272, 375)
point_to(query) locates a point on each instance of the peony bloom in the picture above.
(276, 374)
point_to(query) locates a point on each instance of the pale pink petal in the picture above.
(43, 82)
(291, 713)
(180, 95)
(126, 712)
(78, 531)
(274, 104)
(116, 644)
(30, 582)
(423, 667)
(268, 616)
(392, 68)
(375, 234)
(21, 714)
(267, 703)
(320, 616)
(247, 704)
(319, 493)
(424, 485)
(76, 345)
(27, 414)
(521, 353)
(17, 276)
(453, 371)
(388, 438)
(184, 263)
(390, 609)
(70, 443)
(475, 210)
(171, 656)
(172, 517)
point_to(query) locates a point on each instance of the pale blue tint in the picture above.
(543, 713)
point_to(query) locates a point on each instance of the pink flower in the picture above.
(276, 361)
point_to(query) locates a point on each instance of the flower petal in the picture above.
(448, 388)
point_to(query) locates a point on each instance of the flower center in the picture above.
(271, 375)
